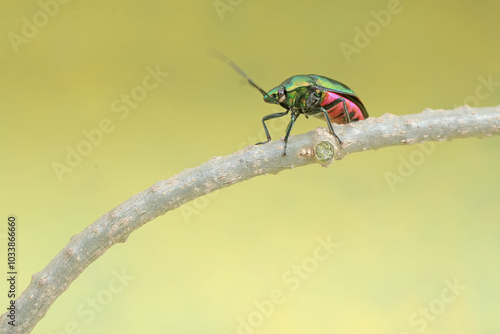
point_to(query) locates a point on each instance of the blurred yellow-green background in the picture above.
(418, 255)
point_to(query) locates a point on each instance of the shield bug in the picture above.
(311, 95)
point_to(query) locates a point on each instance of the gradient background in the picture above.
(199, 268)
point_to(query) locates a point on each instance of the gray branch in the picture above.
(219, 172)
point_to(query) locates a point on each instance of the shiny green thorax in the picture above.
(300, 85)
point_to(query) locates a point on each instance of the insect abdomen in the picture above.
(336, 110)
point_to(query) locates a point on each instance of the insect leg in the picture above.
(330, 126)
(289, 129)
(346, 112)
(268, 117)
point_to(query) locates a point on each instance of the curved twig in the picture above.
(219, 172)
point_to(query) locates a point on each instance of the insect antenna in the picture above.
(235, 67)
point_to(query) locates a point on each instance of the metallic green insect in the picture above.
(311, 95)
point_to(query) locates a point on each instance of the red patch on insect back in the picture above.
(336, 112)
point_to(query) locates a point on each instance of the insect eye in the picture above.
(281, 95)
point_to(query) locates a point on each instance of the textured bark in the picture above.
(219, 172)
